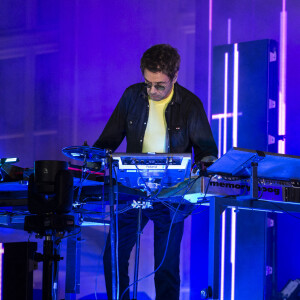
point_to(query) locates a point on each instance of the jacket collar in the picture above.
(143, 92)
(176, 97)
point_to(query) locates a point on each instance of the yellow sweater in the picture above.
(156, 139)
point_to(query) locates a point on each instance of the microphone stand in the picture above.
(112, 231)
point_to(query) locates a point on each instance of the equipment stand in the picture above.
(48, 226)
(50, 259)
(115, 295)
(139, 205)
(137, 253)
(50, 268)
(253, 183)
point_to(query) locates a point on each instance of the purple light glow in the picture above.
(76, 78)
(219, 136)
(282, 78)
(232, 253)
(223, 256)
(234, 144)
(235, 95)
(225, 116)
(209, 59)
(229, 31)
(210, 15)
(220, 117)
(225, 103)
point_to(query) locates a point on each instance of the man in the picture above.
(159, 116)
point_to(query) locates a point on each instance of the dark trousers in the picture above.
(167, 278)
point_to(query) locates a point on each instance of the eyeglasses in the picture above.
(158, 87)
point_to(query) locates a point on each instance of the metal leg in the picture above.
(254, 181)
(56, 259)
(49, 292)
(115, 296)
(72, 285)
(137, 254)
(215, 210)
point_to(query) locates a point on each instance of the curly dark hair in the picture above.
(161, 58)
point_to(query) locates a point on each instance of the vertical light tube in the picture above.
(223, 256)
(235, 95)
(220, 138)
(282, 77)
(228, 31)
(209, 59)
(222, 279)
(76, 77)
(234, 144)
(225, 103)
(232, 253)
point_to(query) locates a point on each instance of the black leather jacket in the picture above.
(187, 123)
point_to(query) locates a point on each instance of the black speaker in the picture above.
(18, 266)
(50, 188)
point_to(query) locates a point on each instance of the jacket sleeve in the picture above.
(115, 129)
(200, 133)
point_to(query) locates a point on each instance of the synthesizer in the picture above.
(195, 190)
(151, 171)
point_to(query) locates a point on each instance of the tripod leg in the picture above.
(48, 268)
(56, 252)
(137, 254)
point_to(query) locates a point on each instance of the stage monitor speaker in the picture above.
(50, 188)
(18, 266)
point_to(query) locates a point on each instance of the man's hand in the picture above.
(200, 167)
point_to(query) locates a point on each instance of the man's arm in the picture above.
(115, 129)
(201, 135)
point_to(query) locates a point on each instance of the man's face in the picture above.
(159, 85)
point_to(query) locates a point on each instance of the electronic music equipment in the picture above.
(85, 153)
(242, 172)
(151, 171)
(197, 190)
(148, 171)
(274, 166)
(15, 193)
(9, 172)
(232, 176)
(8, 160)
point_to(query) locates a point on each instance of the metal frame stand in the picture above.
(217, 206)
(137, 253)
(253, 183)
(215, 211)
(50, 259)
(48, 226)
(140, 205)
(72, 282)
(115, 295)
